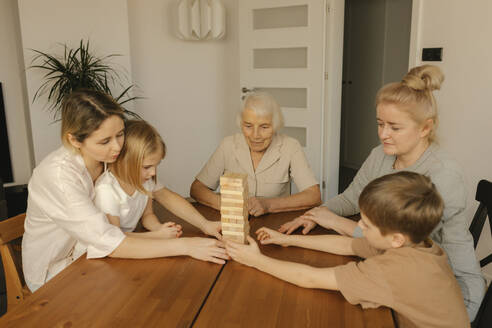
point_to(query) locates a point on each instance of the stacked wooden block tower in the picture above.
(234, 206)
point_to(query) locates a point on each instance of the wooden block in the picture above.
(234, 206)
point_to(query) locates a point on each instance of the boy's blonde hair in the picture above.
(404, 202)
(83, 112)
(414, 95)
(141, 139)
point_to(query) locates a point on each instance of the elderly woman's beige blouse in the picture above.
(284, 159)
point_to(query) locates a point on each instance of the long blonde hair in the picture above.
(414, 95)
(141, 139)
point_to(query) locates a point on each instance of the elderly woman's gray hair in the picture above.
(263, 104)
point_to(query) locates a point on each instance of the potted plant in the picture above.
(78, 68)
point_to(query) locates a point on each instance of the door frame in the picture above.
(415, 33)
(334, 25)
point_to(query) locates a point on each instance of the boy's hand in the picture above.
(245, 254)
(268, 236)
(301, 221)
(212, 228)
(257, 206)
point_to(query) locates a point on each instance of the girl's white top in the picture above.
(62, 221)
(113, 200)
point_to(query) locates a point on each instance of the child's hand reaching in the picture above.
(170, 230)
(213, 228)
(268, 236)
(245, 254)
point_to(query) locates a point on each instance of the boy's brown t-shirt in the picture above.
(417, 283)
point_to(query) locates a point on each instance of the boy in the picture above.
(403, 269)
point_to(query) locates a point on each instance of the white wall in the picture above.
(45, 24)
(462, 28)
(191, 88)
(14, 93)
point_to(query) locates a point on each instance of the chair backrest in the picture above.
(484, 315)
(484, 197)
(10, 230)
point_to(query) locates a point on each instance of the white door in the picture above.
(282, 51)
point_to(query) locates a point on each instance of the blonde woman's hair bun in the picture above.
(424, 78)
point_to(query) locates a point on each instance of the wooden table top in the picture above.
(184, 292)
(261, 300)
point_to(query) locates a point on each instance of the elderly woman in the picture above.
(269, 159)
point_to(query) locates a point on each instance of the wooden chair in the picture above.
(484, 197)
(484, 315)
(10, 230)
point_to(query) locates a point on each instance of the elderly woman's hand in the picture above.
(258, 206)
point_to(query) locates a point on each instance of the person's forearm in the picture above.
(205, 196)
(142, 248)
(179, 207)
(307, 198)
(340, 224)
(326, 243)
(147, 234)
(151, 222)
(298, 274)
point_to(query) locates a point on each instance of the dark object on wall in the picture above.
(432, 54)
(5, 163)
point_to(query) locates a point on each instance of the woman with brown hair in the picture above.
(62, 221)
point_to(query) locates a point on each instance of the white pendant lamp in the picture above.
(201, 19)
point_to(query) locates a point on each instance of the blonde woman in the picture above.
(61, 214)
(270, 159)
(124, 191)
(407, 120)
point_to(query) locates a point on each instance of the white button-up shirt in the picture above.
(283, 160)
(62, 221)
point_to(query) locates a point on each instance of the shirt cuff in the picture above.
(357, 232)
(112, 239)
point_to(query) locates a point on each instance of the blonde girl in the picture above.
(125, 191)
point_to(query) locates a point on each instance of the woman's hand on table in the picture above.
(319, 215)
(206, 249)
(301, 221)
(212, 228)
(268, 236)
(257, 206)
(244, 254)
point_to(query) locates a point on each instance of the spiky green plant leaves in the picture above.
(78, 68)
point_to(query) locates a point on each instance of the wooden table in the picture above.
(184, 292)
